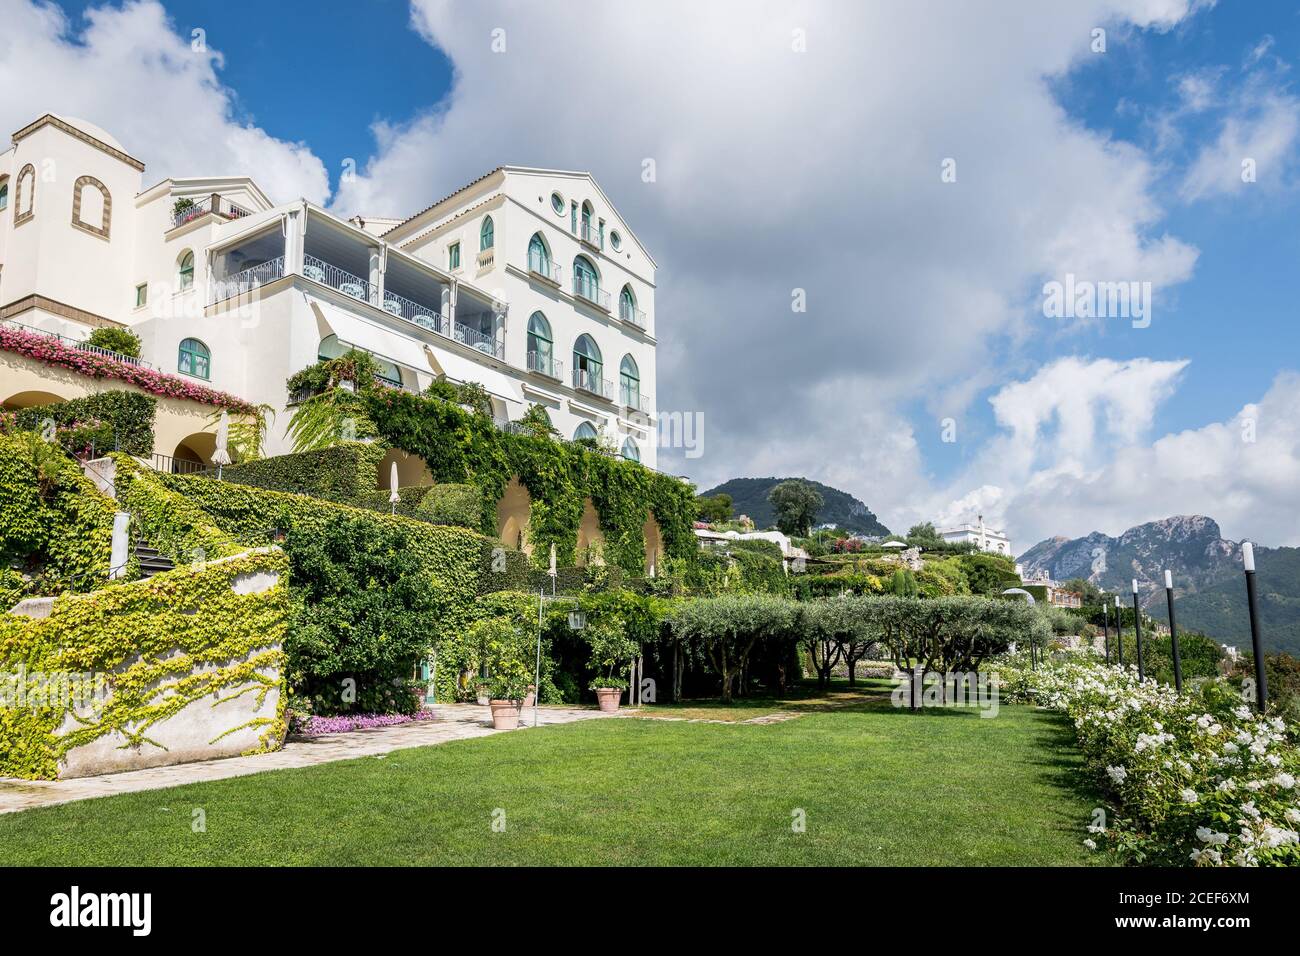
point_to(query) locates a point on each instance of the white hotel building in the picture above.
(526, 281)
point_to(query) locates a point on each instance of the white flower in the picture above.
(1090, 844)
(1284, 780)
(1189, 795)
(1117, 774)
(1276, 836)
(1213, 856)
(1206, 835)
(1292, 815)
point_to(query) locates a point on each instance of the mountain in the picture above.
(749, 497)
(1208, 581)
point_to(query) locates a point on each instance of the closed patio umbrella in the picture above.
(393, 496)
(222, 456)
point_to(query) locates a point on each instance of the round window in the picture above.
(616, 241)
(557, 203)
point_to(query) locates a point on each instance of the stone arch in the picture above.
(513, 511)
(591, 540)
(194, 449)
(654, 543)
(412, 470)
(105, 212)
(25, 194)
(30, 399)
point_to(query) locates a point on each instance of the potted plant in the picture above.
(611, 655)
(506, 650)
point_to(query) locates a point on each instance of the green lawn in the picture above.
(878, 786)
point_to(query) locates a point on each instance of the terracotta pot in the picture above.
(608, 698)
(530, 698)
(505, 714)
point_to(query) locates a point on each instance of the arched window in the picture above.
(629, 381)
(331, 348)
(627, 305)
(92, 210)
(539, 257)
(486, 234)
(585, 281)
(25, 195)
(588, 367)
(630, 451)
(541, 349)
(4, 192)
(185, 271)
(586, 218)
(588, 431)
(195, 359)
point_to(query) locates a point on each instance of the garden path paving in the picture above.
(451, 722)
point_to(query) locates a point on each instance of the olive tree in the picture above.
(727, 627)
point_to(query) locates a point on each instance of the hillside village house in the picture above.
(978, 534)
(526, 281)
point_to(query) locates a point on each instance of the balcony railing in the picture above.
(481, 341)
(589, 381)
(486, 260)
(412, 311)
(630, 313)
(182, 214)
(543, 363)
(77, 344)
(588, 288)
(331, 275)
(247, 280)
(633, 398)
(544, 267)
(591, 235)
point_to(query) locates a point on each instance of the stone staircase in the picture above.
(151, 562)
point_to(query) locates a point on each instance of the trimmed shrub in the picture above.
(459, 505)
(115, 339)
(125, 421)
(347, 472)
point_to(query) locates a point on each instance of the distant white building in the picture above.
(980, 535)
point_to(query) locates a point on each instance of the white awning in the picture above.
(369, 337)
(460, 369)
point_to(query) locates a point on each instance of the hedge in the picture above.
(347, 472)
(460, 505)
(128, 415)
(147, 638)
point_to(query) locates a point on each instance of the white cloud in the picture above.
(1263, 134)
(129, 71)
(817, 170)
(1077, 456)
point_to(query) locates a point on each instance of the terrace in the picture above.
(354, 264)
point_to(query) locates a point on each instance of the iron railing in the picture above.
(326, 273)
(593, 235)
(543, 266)
(544, 363)
(587, 287)
(201, 207)
(246, 280)
(590, 381)
(77, 344)
(630, 313)
(422, 315)
(479, 341)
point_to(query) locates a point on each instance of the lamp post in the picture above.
(1173, 632)
(1252, 600)
(1137, 629)
(1105, 626)
(1119, 631)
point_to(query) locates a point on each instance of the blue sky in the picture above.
(817, 168)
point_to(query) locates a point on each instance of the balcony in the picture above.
(338, 279)
(592, 236)
(544, 268)
(424, 316)
(246, 280)
(486, 260)
(543, 363)
(589, 290)
(632, 398)
(186, 210)
(631, 314)
(588, 380)
(479, 340)
(77, 344)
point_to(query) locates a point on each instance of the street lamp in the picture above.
(1261, 681)
(1173, 632)
(1105, 626)
(1137, 629)
(1119, 631)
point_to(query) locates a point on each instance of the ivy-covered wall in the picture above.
(55, 525)
(202, 638)
(347, 472)
(127, 419)
(459, 446)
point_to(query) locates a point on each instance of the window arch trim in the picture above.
(26, 174)
(194, 358)
(486, 234)
(106, 217)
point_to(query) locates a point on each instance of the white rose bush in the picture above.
(1193, 779)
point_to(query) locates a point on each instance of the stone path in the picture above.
(451, 722)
